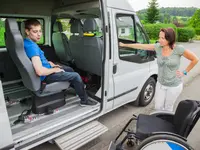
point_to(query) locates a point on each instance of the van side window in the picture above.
(2, 31)
(130, 32)
(21, 28)
(66, 27)
(141, 39)
(140, 35)
(125, 26)
(99, 32)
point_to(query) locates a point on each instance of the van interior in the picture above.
(72, 36)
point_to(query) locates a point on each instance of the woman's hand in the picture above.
(179, 74)
(121, 44)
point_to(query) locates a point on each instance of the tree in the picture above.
(167, 18)
(161, 17)
(152, 14)
(172, 11)
(195, 20)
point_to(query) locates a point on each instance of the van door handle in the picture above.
(114, 68)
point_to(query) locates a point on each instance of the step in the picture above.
(80, 136)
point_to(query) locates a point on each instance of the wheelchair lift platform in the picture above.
(78, 137)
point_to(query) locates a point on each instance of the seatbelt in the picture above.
(21, 118)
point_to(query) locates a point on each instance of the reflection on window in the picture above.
(125, 27)
(122, 30)
(126, 33)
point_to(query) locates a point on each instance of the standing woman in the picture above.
(169, 85)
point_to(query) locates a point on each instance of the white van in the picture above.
(85, 35)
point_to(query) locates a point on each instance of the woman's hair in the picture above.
(31, 22)
(170, 36)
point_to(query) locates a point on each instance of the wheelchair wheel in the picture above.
(165, 142)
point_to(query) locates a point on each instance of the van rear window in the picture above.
(19, 21)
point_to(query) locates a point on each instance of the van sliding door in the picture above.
(6, 141)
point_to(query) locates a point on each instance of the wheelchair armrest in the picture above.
(168, 133)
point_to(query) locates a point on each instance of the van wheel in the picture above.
(147, 92)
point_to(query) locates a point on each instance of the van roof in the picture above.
(45, 7)
(120, 4)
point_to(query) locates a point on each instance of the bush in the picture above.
(2, 42)
(197, 30)
(184, 34)
(154, 29)
(197, 37)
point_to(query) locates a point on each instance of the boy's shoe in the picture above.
(88, 102)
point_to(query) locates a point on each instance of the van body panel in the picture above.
(121, 4)
(5, 131)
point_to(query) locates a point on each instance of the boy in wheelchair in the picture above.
(170, 129)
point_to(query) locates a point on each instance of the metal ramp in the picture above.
(80, 136)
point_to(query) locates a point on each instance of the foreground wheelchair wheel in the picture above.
(164, 142)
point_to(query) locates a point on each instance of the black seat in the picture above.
(146, 126)
(61, 43)
(76, 42)
(92, 48)
(43, 93)
(180, 123)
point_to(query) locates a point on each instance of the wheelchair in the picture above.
(165, 127)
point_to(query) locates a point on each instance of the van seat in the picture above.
(42, 92)
(76, 42)
(61, 43)
(92, 48)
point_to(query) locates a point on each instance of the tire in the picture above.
(147, 93)
(164, 138)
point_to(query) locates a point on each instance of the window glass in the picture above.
(19, 21)
(126, 33)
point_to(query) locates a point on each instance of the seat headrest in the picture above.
(76, 26)
(11, 25)
(90, 25)
(57, 27)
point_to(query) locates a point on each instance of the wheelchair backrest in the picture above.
(186, 116)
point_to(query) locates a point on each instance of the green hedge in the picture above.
(154, 29)
(184, 34)
(197, 31)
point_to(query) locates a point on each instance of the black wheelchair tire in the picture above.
(142, 102)
(164, 137)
